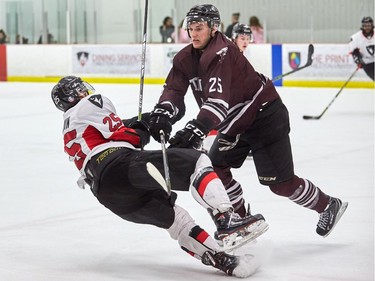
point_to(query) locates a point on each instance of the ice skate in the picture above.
(234, 231)
(239, 266)
(330, 216)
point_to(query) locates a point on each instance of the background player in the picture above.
(362, 47)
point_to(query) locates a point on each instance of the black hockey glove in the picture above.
(161, 119)
(142, 129)
(191, 136)
(357, 57)
(144, 117)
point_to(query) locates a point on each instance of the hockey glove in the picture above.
(160, 119)
(191, 136)
(357, 57)
(142, 129)
(144, 117)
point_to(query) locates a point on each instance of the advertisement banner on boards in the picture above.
(330, 62)
(122, 60)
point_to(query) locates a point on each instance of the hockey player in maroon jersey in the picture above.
(244, 106)
(362, 47)
(107, 152)
(242, 37)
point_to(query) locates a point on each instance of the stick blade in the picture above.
(311, 50)
(308, 117)
(154, 172)
(310, 53)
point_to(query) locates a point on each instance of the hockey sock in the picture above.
(310, 196)
(234, 191)
(302, 192)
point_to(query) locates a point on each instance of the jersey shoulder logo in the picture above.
(66, 123)
(222, 53)
(96, 100)
(370, 49)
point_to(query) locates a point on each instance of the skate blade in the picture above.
(236, 240)
(338, 217)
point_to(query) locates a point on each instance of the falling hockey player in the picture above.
(107, 152)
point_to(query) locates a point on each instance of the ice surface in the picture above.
(52, 230)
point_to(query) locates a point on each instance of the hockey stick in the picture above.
(308, 63)
(143, 62)
(165, 162)
(308, 117)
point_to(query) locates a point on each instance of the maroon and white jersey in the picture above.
(364, 44)
(92, 126)
(226, 87)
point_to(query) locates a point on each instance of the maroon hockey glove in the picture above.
(161, 119)
(191, 136)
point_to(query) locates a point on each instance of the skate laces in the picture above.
(325, 216)
(234, 216)
(324, 219)
(224, 260)
(220, 260)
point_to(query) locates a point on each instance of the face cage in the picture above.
(86, 87)
(65, 103)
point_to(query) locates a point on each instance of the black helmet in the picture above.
(65, 94)
(241, 28)
(368, 20)
(205, 12)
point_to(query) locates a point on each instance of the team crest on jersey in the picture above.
(370, 49)
(294, 59)
(96, 100)
(222, 53)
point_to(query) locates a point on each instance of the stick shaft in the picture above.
(165, 162)
(307, 117)
(143, 63)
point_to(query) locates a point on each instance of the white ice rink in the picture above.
(50, 230)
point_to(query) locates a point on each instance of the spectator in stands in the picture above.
(50, 39)
(257, 30)
(24, 40)
(3, 37)
(235, 20)
(167, 31)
